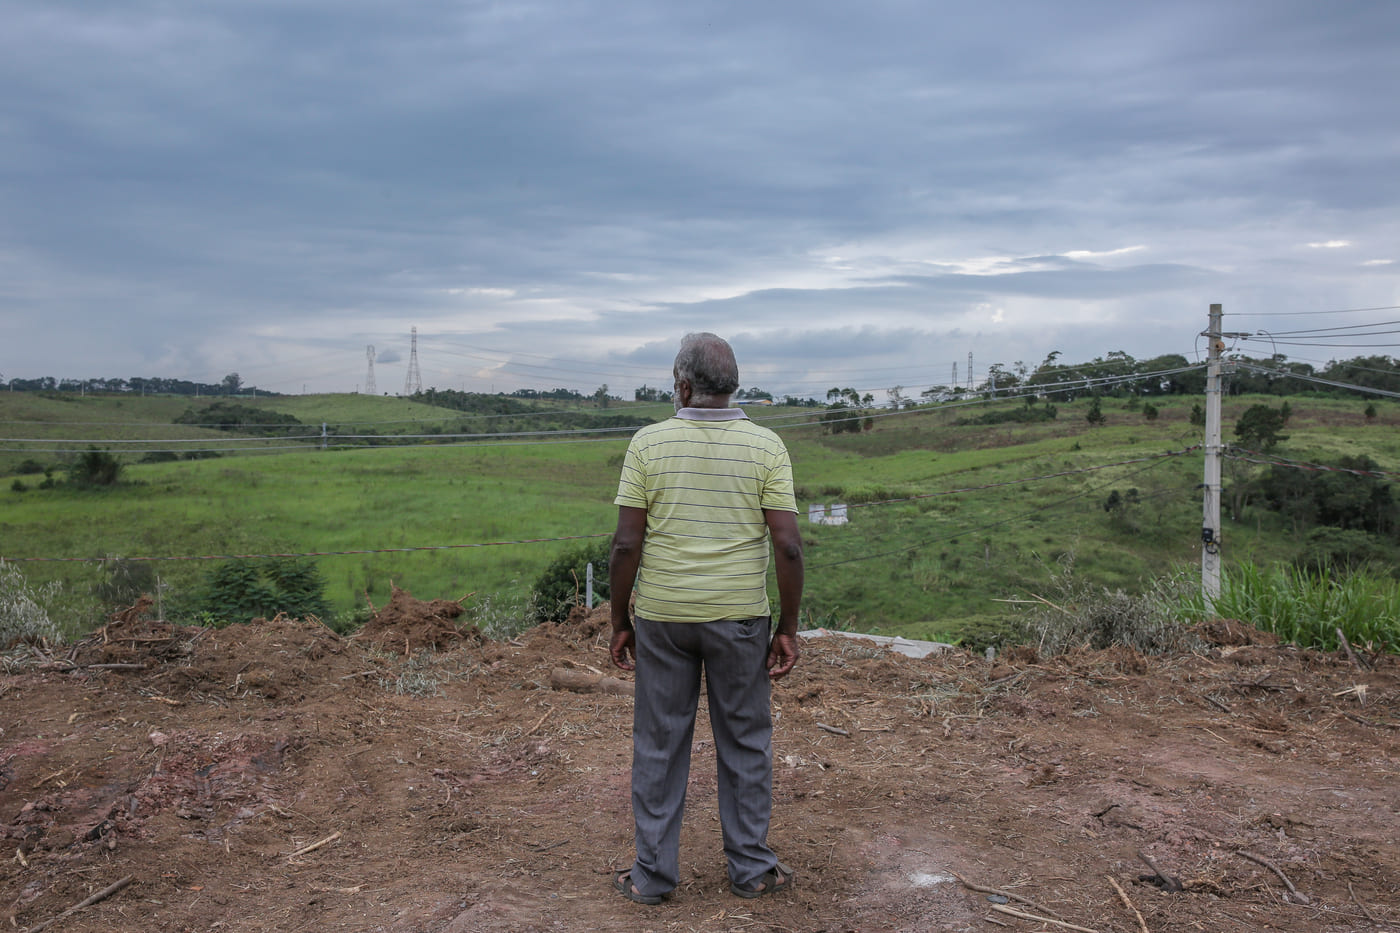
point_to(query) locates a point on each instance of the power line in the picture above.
(1317, 379)
(1268, 460)
(1234, 314)
(1322, 330)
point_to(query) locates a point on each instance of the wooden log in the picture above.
(563, 679)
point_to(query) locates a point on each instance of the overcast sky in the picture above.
(554, 192)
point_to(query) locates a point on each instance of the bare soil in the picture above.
(275, 776)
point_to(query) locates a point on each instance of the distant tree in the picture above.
(232, 382)
(1122, 509)
(1149, 411)
(1354, 496)
(96, 468)
(1198, 415)
(1370, 412)
(1095, 415)
(1259, 427)
(600, 395)
(847, 411)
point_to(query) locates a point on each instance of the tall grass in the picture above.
(1307, 608)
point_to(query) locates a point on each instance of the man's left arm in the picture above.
(787, 562)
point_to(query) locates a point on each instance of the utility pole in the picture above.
(1210, 526)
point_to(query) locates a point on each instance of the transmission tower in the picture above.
(969, 371)
(370, 387)
(954, 383)
(413, 382)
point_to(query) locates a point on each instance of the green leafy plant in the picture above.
(561, 587)
(1307, 608)
(242, 590)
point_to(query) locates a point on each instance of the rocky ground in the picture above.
(275, 776)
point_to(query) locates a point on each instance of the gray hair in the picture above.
(707, 363)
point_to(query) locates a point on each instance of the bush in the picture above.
(1331, 551)
(29, 467)
(96, 468)
(124, 581)
(19, 486)
(160, 456)
(561, 587)
(1080, 614)
(242, 590)
(23, 617)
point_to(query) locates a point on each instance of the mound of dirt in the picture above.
(1232, 633)
(585, 624)
(407, 625)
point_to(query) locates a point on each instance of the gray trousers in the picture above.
(670, 656)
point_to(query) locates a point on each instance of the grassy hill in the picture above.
(946, 519)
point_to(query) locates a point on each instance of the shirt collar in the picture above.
(712, 414)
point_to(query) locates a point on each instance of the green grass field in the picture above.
(933, 565)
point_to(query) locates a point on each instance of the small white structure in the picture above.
(816, 514)
(905, 646)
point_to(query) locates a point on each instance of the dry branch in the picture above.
(1013, 912)
(316, 845)
(1168, 882)
(1258, 860)
(1009, 895)
(99, 896)
(579, 682)
(1364, 909)
(1123, 896)
(1346, 646)
(832, 729)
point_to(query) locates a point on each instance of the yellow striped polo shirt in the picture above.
(704, 478)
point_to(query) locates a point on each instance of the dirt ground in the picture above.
(275, 776)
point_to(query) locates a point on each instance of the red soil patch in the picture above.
(453, 790)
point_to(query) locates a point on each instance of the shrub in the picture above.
(561, 587)
(245, 589)
(23, 617)
(19, 486)
(30, 467)
(96, 468)
(160, 456)
(1340, 551)
(1080, 614)
(124, 581)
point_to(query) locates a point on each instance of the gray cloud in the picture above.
(231, 186)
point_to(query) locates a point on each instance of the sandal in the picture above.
(622, 881)
(776, 879)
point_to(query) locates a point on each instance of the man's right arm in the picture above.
(623, 561)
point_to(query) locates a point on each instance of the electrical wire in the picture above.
(1316, 379)
(1302, 313)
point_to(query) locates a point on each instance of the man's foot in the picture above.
(622, 881)
(770, 882)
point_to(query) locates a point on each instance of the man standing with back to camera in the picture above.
(700, 498)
